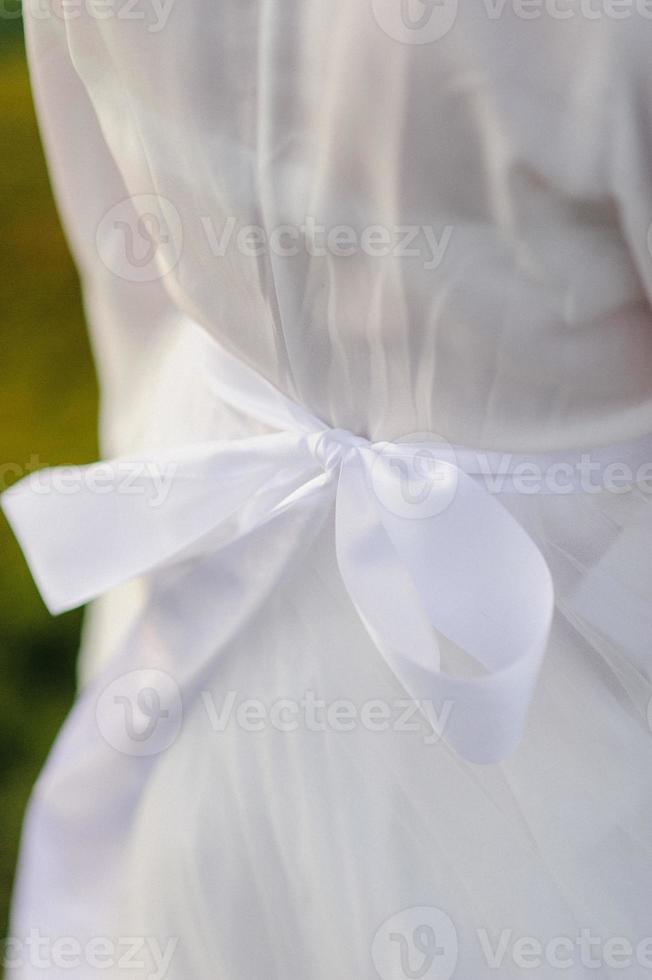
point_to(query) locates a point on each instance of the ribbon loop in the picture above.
(467, 570)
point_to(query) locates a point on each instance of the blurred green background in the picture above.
(47, 416)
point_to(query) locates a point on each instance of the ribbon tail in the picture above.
(87, 529)
(96, 776)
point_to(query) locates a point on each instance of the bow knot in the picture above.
(467, 571)
(330, 446)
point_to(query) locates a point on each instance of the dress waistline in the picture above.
(423, 543)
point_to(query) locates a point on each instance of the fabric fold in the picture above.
(456, 564)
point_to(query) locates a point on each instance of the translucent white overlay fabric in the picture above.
(432, 226)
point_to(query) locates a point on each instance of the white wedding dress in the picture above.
(281, 828)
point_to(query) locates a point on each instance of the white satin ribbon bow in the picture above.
(459, 565)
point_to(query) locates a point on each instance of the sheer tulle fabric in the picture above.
(521, 146)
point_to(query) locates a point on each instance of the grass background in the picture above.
(47, 417)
